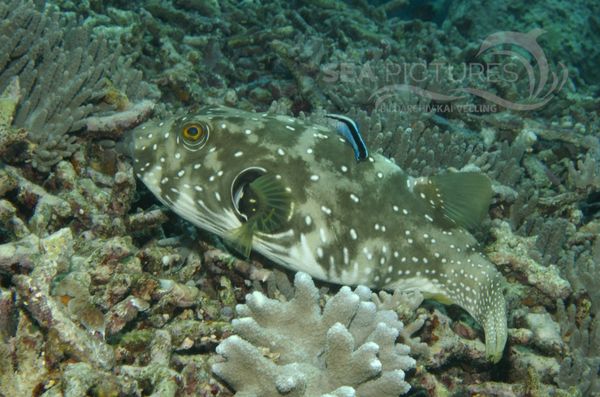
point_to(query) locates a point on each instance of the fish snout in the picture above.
(126, 146)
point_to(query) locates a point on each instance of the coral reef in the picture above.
(104, 292)
(64, 77)
(348, 348)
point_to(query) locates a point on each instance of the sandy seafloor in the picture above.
(105, 292)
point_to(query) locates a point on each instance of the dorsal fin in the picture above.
(462, 198)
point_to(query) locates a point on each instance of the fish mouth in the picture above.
(239, 186)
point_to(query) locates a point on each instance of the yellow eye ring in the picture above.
(195, 135)
(193, 132)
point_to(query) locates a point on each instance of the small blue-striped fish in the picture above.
(294, 192)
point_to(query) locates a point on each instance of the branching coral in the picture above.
(64, 77)
(296, 349)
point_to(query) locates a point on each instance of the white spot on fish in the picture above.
(181, 173)
(314, 177)
(308, 220)
(238, 154)
(354, 198)
(326, 210)
(247, 132)
(353, 234)
(280, 152)
(322, 235)
(289, 127)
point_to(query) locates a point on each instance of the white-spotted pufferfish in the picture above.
(295, 193)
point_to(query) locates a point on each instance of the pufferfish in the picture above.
(294, 192)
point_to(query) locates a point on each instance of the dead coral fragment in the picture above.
(296, 349)
(114, 124)
(511, 251)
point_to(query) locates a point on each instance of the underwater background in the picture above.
(106, 292)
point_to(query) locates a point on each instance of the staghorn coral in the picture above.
(63, 75)
(580, 367)
(348, 348)
(415, 147)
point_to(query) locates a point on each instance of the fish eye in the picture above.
(191, 132)
(195, 135)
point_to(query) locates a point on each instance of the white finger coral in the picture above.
(295, 348)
